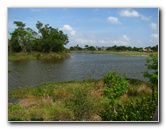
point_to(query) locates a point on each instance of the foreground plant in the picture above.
(133, 109)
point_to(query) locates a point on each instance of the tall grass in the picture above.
(37, 56)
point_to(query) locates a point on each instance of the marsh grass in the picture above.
(124, 53)
(69, 101)
(37, 56)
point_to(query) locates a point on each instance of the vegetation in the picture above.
(47, 39)
(152, 73)
(116, 85)
(134, 104)
(115, 48)
(37, 55)
(113, 98)
(152, 65)
(123, 53)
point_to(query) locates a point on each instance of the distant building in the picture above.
(147, 50)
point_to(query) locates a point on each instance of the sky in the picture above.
(135, 27)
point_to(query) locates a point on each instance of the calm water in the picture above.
(78, 67)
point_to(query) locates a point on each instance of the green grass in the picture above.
(68, 101)
(124, 53)
(37, 55)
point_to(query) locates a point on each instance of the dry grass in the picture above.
(28, 102)
(144, 89)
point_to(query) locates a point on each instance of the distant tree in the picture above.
(75, 48)
(129, 48)
(86, 46)
(154, 48)
(121, 48)
(71, 48)
(99, 48)
(91, 48)
(135, 49)
(111, 48)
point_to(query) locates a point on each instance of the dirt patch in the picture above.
(144, 89)
(30, 101)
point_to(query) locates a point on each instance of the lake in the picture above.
(80, 66)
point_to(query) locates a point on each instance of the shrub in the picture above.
(139, 110)
(116, 85)
(152, 73)
(152, 65)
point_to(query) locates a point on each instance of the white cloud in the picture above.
(125, 37)
(84, 41)
(153, 26)
(155, 36)
(69, 29)
(124, 40)
(129, 13)
(113, 20)
(102, 41)
(145, 17)
(133, 13)
(119, 42)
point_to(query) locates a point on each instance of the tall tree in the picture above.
(47, 38)
(21, 37)
(50, 39)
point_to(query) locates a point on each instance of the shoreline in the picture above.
(37, 56)
(64, 55)
(123, 53)
(56, 101)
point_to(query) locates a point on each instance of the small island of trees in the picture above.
(47, 39)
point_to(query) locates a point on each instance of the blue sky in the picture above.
(95, 26)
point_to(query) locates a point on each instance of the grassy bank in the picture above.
(79, 101)
(37, 55)
(124, 53)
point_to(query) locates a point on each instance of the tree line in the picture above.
(115, 48)
(47, 39)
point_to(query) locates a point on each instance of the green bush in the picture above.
(152, 65)
(139, 110)
(116, 84)
(152, 72)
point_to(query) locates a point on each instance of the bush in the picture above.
(139, 110)
(152, 73)
(152, 65)
(116, 84)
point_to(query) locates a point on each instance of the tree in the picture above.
(155, 48)
(17, 37)
(47, 39)
(50, 39)
(21, 37)
(91, 48)
(86, 46)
